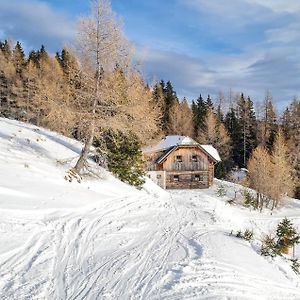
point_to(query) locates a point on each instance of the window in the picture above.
(194, 158)
(176, 177)
(198, 177)
(179, 158)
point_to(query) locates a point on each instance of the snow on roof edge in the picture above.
(212, 151)
(170, 141)
(176, 140)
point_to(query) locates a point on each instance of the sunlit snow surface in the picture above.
(102, 239)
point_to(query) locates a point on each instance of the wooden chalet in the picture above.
(179, 162)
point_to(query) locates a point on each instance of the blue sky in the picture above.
(202, 46)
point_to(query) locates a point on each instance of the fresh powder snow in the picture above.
(102, 239)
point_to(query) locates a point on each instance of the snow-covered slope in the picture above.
(102, 239)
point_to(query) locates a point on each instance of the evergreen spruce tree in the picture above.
(247, 120)
(272, 125)
(42, 53)
(194, 107)
(287, 235)
(209, 104)
(170, 98)
(71, 71)
(18, 58)
(267, 123)
(199, 114)
(235, 132)
(158, 99)
(124, 158)
(6, 49)
(252, 143)
(33, 57)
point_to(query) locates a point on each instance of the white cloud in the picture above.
(181, 69)
(35, 23)
(284, 35)
(252, 73)
(278, 6)
(236, 12)
(242, 8)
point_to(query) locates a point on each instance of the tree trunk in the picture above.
(257, 200)
(85, 151)
(261, 202)
(88, 144)
(273, 205)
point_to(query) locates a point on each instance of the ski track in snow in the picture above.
(105, 240)
(114, 253)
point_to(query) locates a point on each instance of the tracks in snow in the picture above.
(120, 249)
(129, 248)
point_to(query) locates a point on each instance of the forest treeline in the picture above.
(235, 128)
(52, 92)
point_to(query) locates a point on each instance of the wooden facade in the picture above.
(185, 167)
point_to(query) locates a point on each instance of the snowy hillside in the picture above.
(102, 239)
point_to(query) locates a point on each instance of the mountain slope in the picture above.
(102, 239)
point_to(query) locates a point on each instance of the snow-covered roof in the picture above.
(170, 141)
(213, 152)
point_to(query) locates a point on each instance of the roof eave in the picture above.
(165, 156)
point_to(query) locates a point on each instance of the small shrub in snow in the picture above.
(286, 236)
(249, 199)
(231, 201)
(268, 247)
(239, 234)
(246, 235)
(295, 265)
(221, 191)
